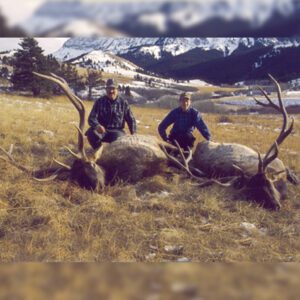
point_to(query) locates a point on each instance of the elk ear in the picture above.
(98, 153)
(274, 176)
(260, 164)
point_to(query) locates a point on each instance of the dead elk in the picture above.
(129, 158)
(262, 178)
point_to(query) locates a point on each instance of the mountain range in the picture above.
(215, 60)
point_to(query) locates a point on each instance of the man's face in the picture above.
(112, 93)
(185, 103)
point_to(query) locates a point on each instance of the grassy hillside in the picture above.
(57, 221)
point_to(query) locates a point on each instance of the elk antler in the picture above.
(78, 104)
(185, 166)
(273, 151)
(36, 174)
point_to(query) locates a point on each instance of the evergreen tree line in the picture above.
(30, 58)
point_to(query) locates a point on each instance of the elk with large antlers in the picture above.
(262, 177)
(129, 158)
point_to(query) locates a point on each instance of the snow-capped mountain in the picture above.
(157, 47)
(173, 18)
(194, 58)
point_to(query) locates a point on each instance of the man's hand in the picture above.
(101, 129)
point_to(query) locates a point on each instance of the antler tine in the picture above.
(282, 107)
(284, 131)
(81, 143)
(185, 160)
(177, 162)
(53, 176)
(77, 156)
(32, 173)
(59, 78)
(185, 167)
(63, 84)
(284, 134)
(80, 103)
(12, 161)
(268, 159)
(73, 98)
(62, 164)
(189, 158)
(270, 104)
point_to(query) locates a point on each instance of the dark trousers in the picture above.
(185, 140)
(95, 139)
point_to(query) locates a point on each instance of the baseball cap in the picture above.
(185, 95)
(111, 83)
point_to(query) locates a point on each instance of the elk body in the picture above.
(221, 160)
(133, 157)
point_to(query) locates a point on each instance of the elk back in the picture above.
(218, 159)
(133, 157)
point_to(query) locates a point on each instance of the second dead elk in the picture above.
(262, 178)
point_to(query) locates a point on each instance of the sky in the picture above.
(49, 45)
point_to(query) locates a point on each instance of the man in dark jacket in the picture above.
(108, 116)
(184, 119)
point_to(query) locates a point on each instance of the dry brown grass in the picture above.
(58, 221)
(215, 89)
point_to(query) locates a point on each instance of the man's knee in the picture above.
(94, 139)
(190, 139)
(184, 140)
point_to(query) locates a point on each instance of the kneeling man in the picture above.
(184, 119)
(108, 116)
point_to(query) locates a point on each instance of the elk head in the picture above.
(84, 171)
(259, 187)
(262, 188)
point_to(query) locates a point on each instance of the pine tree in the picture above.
(26, 60)
(127, 91)
(4, 72)
(93, 79)
(53, 66)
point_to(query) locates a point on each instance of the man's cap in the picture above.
(111, 83)
(185, 95)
